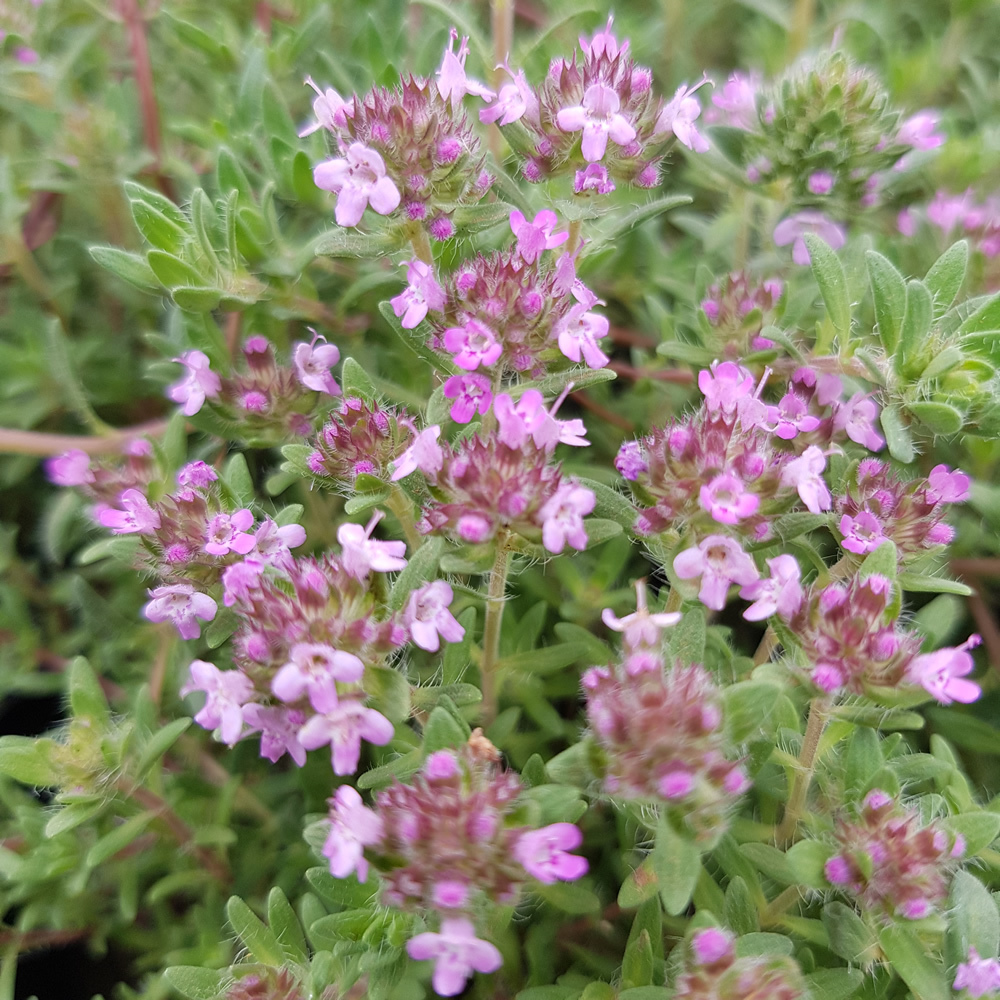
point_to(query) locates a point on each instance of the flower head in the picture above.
(942, 673)
(199, 382)
(353, 827)
(181, 604)
(358, 179)
(422, 293)
(362, 553)
(719, 561)
(313, 362)
(598, 117)
(456, 952)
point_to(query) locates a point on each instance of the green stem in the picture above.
(819, 714)
(495, 600)
(768, 644)
(574, 236)
(17, 442)
(8, 970)
(420, 242)
(803, 14)
(502, 26)
(400, 505)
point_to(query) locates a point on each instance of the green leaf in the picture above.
(979, 829)
(474, 218)
(237, 479)
(345, 243)
(221, 627)
(986, 319)
(637, 964)
(677, 862)
(171, 270)
(553, 385)
(864, 760)
(938, 418)
(364, 502)
(401, 768)
(740, 911)
(916, 327)
(546, 660)
(646, 993)
(611, 504)
(889, 293)
(286, 927)
(421, 567)
(130, 267)
(356, 382)
(86, 697)
(197, 983)
(748, 706)
(157, 218)
(834, 984)
(600, 530)
(73, 815)
(850, 936)
(687, 637)
(348, 892)
(965, 730)
(917, 583)
(570, 897)
(944, 279)
(771, 862)
(196, 298)
(425, 698)
(621, 223)
(391, 690)
(943, 362)
(443, 731)
(882, 562)
(254, 934)
(118, 839)
(27, 760)
(973, 917)
(913, 965)
(897, 435)
(639, 886)
(829, 275)
(763, 943)
(159, 743)
(808, 858)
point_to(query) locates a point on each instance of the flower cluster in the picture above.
(445, 843)
(598, 117)
(713, 972)
(662, 731)
(503, 480)
(104, 480)
(409, 148)
(737, 307)
(890, 862)
(265, 403)
(950, 213)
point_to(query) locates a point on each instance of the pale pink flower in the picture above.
(578, 332)
(710, 945)
(456, 953)
(562, 517)
(315, 668)
(630, 461)
(330, 109)
(199, 382)
(227, 691)
(980, 977)
(358, 179)
(805, 474)
(604, 43)
(679, 116)
(792, 229)
(428, 616)
(313, 363)
(820, 182)
(273, 544)
(361, 553)
(344, 727)
(782, 593)
(738, 98)
(424, 454)
(918, 131)
(421, 294)
(227, 533)
(543, 853)
(528, 418)
(946, 486)
(676, 784)
(181, 604)
(473, 344)
(353, 827)
(239, 580)
(906, 223)
(71, 468)
(534, 237)
(942, 673)
(719, 561)
(453, 84)
(946, 211)
(861, 534)
(138, 518)
(856, 418)
(727, 499)
(279, 731)
(724, 386)
(791, 417)
(641, 628)
(594, 177)
(196, 474)
(600, 119)
(515, 101)
(472, 395)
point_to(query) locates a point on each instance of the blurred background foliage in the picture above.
(201, 103)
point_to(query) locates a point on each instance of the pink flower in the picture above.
(676, 784)
(946, 486)
(358, 180)
(941, 673)
(227, 533)
(946, 211)
(273, 544)
(640, 628)
(724, 386)
(440, 766)
(906, 223)
(279, 731)
(313, 363)
(600, 119)
(315, 667)
(528, 418)
(679, 117)
(979, 976)
(805, 475)
(424, 454)
(918, 131)
(353, 827)
(456, 953)
(710, 945)
(781, 594)
(515, 100)
(579, 330)
(199, 382)
(837, 871)
(330, 109)
(593, 177)
(856, 418)
(71, 468)
(534, 237)
(719, 561)
(473, 344)
(196, 474)
(428, 616)
(362, 554)
(738, 98)
(862, 533)
(604, 43)
(727, 500)
(138, 518)
(820, 182)
(453, 84)
(422, 293)
(562, 517)
(792, 229)
(227, 691)
(630, 461)
(472, 394)
(181, 604)
(791, 417)
(239, 580)
(543, 853)
(344, 727)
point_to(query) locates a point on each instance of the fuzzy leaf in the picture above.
(159, 743)
(27, 760)
(677, 862)
(443, 731)
(938, 418)
(254, 933)
(917, 583)
(889, 293)
(390, 690)
(944, 279)
(979, 829)
(916, 327)
(910, 961)
(850, 937)
(118, 839)
(286, 927)
(129, 267)
(974, 919)
(897, 435)
(834, 984)
(421, 567)
(356, 381)
(197, 983)
(829, 275)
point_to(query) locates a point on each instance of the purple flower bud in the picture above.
(711, 945)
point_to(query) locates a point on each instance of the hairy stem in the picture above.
(502, 27)
(401, 505)
(17, 442)
(768, 644)
(495, 600)
(819, 713)
(420, 242)
(803, 14)
(575, 228)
